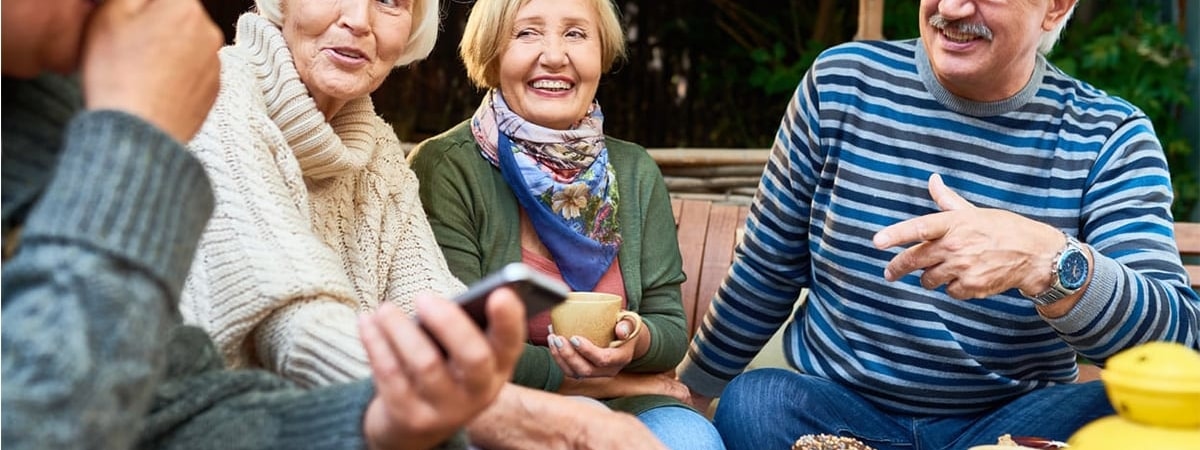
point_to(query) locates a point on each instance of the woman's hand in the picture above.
(627, 384)
(580, 358)
(700, 402)
(423, 394)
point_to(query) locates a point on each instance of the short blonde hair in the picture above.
(489, 28)
(421, 38)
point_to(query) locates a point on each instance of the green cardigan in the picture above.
(476, 219)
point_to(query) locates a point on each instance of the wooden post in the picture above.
(870, 20)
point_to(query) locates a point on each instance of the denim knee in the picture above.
(746, 395)
(682, 428)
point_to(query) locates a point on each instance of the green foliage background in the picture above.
(719, 73)
(1130, 53)
(1124, 48)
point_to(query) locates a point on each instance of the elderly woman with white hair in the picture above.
(317, 214)
(318, 220)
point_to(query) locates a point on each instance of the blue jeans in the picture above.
(771, 408)
(681, 428)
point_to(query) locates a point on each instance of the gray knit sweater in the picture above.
(102, 213)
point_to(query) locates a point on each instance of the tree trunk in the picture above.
(870, 20)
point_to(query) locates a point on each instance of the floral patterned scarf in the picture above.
(564, 182)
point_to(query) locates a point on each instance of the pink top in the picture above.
(611, 282)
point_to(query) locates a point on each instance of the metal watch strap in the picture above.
(1056, 291)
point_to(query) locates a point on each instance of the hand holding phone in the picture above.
(538, 291)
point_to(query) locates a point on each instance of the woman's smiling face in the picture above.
(550, 67)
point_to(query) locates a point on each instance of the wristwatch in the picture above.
(1067, 274)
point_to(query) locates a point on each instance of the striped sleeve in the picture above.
(1139, 291)
(864, 131)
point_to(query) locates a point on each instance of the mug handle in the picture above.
(637, 328)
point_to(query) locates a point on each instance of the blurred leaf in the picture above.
(1126, 53)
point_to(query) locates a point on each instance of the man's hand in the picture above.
(154, 59)
(975, 252)
(422, 395)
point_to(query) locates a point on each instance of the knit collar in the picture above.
(324, 148)
(973, 108)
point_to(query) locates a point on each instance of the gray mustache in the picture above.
(978, 29)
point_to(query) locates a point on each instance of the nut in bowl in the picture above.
(1009, 442)
(828, 442)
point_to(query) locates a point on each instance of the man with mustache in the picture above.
(967, 219)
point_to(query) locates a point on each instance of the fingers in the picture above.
(382, 359)
(918, 229)
(399, 408)
(566, 354)
(506, 329)
(624, 328)
(467, 352)
(405, 352)
(580, 358)
(920, 256)
(973, 252)
(569, 361)
(153, 59)
(421, 394)
(946, 199)
(928, 227)
(932, 278)
(961, 283)
(669, 386)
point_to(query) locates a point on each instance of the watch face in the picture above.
(1072, 269)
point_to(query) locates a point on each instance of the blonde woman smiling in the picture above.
(532, 177)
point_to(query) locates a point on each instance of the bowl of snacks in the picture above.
(1010, 442)
(828, 442)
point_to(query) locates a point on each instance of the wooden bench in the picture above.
(707, 234)
(1187, 237)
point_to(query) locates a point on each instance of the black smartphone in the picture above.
(538, 291)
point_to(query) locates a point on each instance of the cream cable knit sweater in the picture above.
(315, 221)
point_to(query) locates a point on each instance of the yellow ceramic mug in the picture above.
(593, 315)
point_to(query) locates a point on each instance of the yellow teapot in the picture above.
(1155, 389)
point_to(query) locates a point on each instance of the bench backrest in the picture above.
(1187, 237)
(707, 234)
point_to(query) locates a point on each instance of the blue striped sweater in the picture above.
(864, 131)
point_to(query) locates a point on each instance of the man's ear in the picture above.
(1056, 12)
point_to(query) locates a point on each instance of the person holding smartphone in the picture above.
(317, 219)
(102, 211)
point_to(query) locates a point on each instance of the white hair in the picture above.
(420, 39)
(1049, 39)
